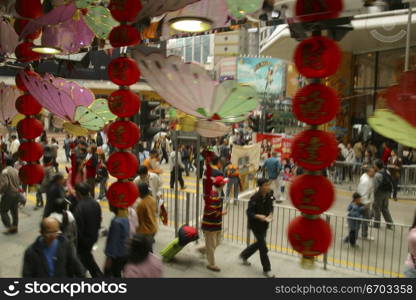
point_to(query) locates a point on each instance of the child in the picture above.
(355, 211)
(286, 177)
(102, 176)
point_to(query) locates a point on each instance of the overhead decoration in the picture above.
(29, 9)
(314, 150)
(155, 8)
(123, 134)
(240, 8)
(316, 10)
(8, 96)
(189, 88)
(29, 128)
(212, 129)
(8, 37)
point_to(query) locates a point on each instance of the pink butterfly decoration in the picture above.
(8, 96)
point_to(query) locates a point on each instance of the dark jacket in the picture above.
(259, 205)
(54, 192)
(66, 261)
(88, 217)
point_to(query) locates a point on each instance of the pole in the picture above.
(176, 184)
(198, 179)
(409, 33)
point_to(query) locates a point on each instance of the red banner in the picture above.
(279, 143)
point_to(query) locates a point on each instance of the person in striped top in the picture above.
(212, 221)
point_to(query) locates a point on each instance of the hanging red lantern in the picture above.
(31, 174)
(30, 151)
(309, 237)
(24, 52)
(317, 57)
(123, 36)
(29, 9)
(123, 134)
(123, 71)
(124, 103)
(315, 104)
(312, 195)
(314, 149)
(125, 10)
(122, 165)
(19, 25)
(315, 10)
(29, 128)
(27, 105)
(19, 82)
(122, 194)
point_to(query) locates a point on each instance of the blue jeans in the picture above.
(233, 182)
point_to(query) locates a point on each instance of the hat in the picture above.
(219, 181)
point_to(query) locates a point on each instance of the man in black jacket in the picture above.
(88, 217)
(51, 255)
(259, 213)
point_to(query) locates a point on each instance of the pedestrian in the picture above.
(51, 255)
(116, 246)
(67, 147)
(260, 215)
(273, 168)
(395, 165)
(212, 221)
(73, 180)
(154, 182)
(367, 160)
(146, 211)
(383, 187)
(143, 154)
(385, 153)
(54, 150)
(350, 160)
(181, 168)
(14, 147)
(186, 158)
(10, 190)
(152, 163)
(142, 263)
(165, 147)
(410, 264)
(366, 190)
(88, 217)
(102, 176)
(91, 166)
(54, 191)
(286, 178)
(355, 212)
(358, 151)
(225, 152)
(66, 220)
(233, 176)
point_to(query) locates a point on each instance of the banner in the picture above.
(278, 142)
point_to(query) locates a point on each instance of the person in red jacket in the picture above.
(386, 153)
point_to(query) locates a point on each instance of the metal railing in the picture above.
(382, 256)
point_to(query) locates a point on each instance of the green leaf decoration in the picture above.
(85, 3)
(240, 8)
(100, 108)
(100, 21)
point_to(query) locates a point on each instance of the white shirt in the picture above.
(350, 157)
(366, 189)
(154, 182)
(172, 161)
(14, 146)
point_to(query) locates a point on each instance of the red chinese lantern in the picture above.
(29, 128)
(125, 10)
(123, 134)
(123, 71)
(27, 105)
(309, 237)
(315, 104)
(314, 149)
(31, 174)
(29, 9)
(19, 82)
(123, 36)
(124, 103)
(317, 57)
(312, 195)
(19, 25)
(30, 151)
(24, 52)
(122, 194)
(122, 165)
(315, 10)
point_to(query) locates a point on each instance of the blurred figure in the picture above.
(66, 221)
(181, 167)
(410, 264)
(273, 168)
(146, 213)
(366, 190)
(142, 263)
(67, 147)
(102, 176)
(395, 165)
(151, 179)
(233, 176)
(14, 147)
(152, 163)
(385, 153)
(355, 211)
(51, 255)
(54, 191)
(54, 150)
(91, 166)
(383, 186)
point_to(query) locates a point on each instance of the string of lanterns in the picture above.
(123, 134)
(29, 128)
(314, 150)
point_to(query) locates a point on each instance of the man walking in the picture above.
(181, 168)
(88, 217)
(272, 166)
(51, 255)
(259, 213)
(152, 180)
(383, 186)
(9, 188)
(366, 190)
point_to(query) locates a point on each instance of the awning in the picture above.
(372, 32)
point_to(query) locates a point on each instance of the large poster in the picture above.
(279, 143)
(227, 69)
(266, 75)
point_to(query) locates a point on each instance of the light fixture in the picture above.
(190, 24)
(46, 50)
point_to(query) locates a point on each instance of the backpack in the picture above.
(386, 183)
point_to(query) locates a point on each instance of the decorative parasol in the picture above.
(155, 8)
(8, 37)
(8, 96)
(240, 8)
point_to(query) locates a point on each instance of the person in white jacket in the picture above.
(366, 190)
(154, 182)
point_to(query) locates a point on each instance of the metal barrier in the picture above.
(383, 256)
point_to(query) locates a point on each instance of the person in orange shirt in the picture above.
(152, 163)
(233, 174)
(146, 213)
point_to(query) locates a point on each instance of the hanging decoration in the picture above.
(314, 150)
(29, 129)
(241, 8)
(123, 134)
(8, 96)
(8, 37)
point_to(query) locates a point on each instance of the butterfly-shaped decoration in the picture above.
(8, 96)
(155, 8)
(70, 102)
(8, 37)
(240, 8)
